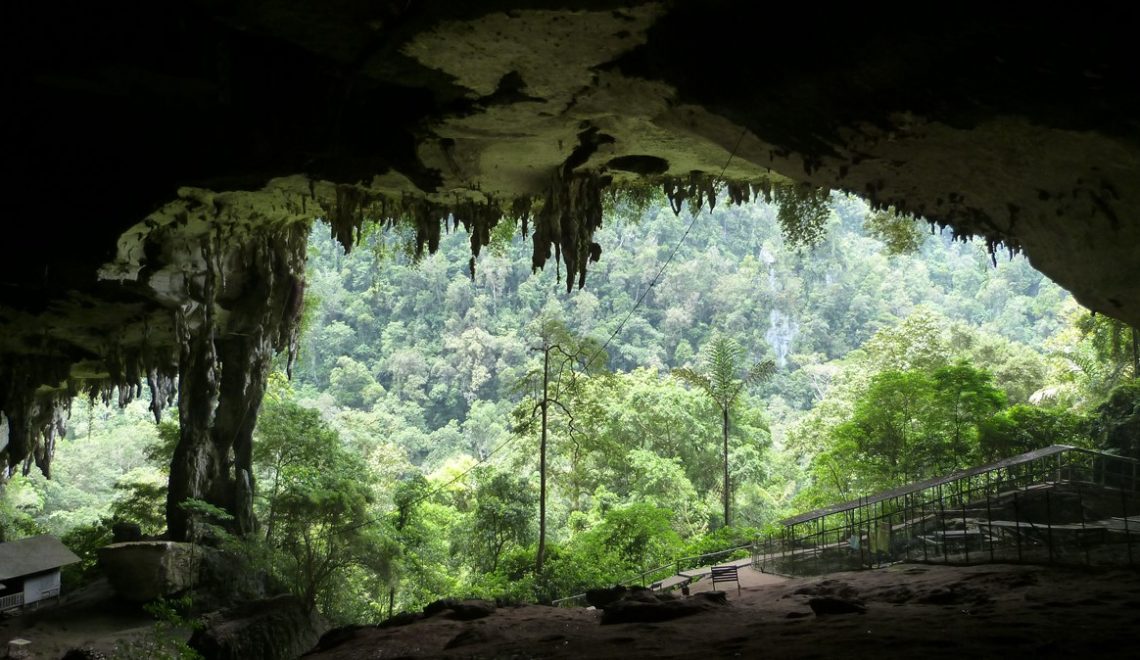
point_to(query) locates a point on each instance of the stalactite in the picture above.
(345, 216)
(570, 215)
(35, 407)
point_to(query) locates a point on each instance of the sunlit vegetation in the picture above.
(850, 352)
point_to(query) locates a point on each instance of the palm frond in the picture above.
(760, 372)
(696, 379)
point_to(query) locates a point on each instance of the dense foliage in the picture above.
(402, 463)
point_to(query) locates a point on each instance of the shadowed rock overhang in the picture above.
(170, 157)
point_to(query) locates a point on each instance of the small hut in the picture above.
(29, 570)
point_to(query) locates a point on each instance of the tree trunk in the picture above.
(727, 519)
(1135, 353)
(542, 464)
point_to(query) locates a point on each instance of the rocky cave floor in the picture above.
(910, 611)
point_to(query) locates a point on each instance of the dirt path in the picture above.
(90, 618)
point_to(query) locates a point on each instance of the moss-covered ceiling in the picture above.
(160, 148)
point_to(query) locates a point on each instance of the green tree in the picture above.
(898, 232)
(422, 560)
(888, 428)
(1023, 428)
(964, 398)
(503, 515)
(565, 358)
(352, 385)
(316, 506)
(640, 534)
(661, 481)
(723, 381)
(909, 425)
(1115, 342)
(1116, 422)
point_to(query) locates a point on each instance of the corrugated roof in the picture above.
(33, 555)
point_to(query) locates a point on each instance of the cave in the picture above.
(173, 157)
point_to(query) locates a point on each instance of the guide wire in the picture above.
(676, 248)
(513, 436)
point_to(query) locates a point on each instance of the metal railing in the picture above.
(665, 571)
(10, 601)
(1060, 504)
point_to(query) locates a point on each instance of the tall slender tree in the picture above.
(723, 379)
(564, 358)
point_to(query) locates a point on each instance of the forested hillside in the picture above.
(429, 345)
(403, 459)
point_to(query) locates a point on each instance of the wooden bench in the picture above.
(725, 574)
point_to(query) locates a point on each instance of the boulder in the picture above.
(399, 619)
(461, 610)
(225, 579)
(436, 606)
(337, 636)
(469, 610)
(84, 653)
(278, 628)
(636, 607)
(145, 570)
(599, 598)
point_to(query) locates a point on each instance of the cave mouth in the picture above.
(189, 291)
(246, 300)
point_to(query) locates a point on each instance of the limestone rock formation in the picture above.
(279, 628)
(143, 571)
(169, 161)
(146, 570)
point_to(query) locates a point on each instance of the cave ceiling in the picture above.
(157, 151)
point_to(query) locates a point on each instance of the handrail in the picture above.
(1049, 465)
(676, 563)
(11, 600)
(925, 484)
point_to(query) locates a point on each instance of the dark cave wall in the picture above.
(961, 116)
